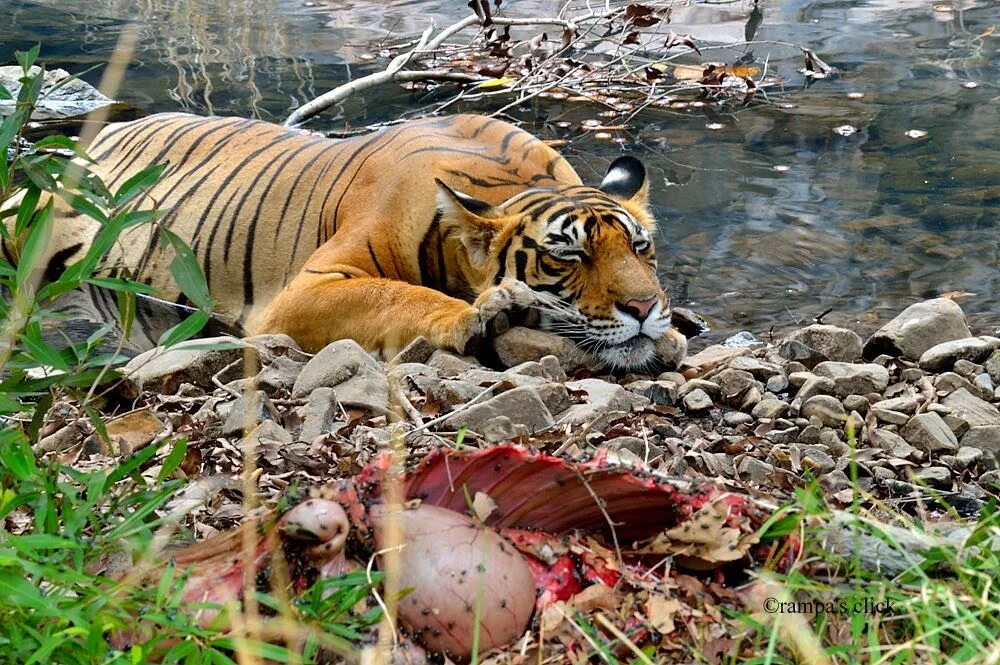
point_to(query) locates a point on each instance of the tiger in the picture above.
(435, 227)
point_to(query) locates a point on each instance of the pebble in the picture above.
(697, 400)
(828, 409)
(938, 477)
(929, 433)
(832, 342)
(918, 328)
(755, 471)
(851, 378)
(942, 357)
(770, 408)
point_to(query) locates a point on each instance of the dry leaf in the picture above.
(133, 431)
(704, 541)
(660, 611)
(483, 506)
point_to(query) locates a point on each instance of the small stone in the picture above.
(751, 398)
(856, 403)
(553, 369)
(604, 395)
(831, 439)
(644, 450)
(733, 383)
(712, 357)
(984, 383)
(777, 384)
(520, 344)
(781, 436)
(528, 368)
(193, 361)
(929, 433)
(942, 357)
(967, 456)
(448, 365)
(267, 439)
(760, 370)
(889, 416)
(417, 351)
(555, 396)
(673, 377)
(882, 473)
(809, 434)
(502, 428)
(851, 378)
(247, 411)
(992, 367)
(351, 371)
(522, 405)
(971, 409)
(770, 408)
(709, 387)
(735, 419)
(818, 385)
(907, 404)
(986, 439)
(967, 369)
(279, 374)
(799, 379)
(836, 481)
(755, 471)
(911, 374)
(697, 401)
(955, 424)
(817, 461)
(661, 393)
(835, 343)
(320, 414)
(949, 382)
(453, 392)
(791, 349)
(935, 476)
(919, 327)
(828, 409)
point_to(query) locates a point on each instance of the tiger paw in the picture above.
(671, 348)
(498, 305)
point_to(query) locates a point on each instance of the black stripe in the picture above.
(502, 261)
(57, 264)
(371, 253)
(520, 264)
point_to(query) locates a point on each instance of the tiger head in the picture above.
(588, 255)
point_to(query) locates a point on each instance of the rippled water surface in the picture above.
(766, 221)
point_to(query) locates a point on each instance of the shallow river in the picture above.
(767, 219)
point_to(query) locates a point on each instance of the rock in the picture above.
(733, 383)
(777, 384)
(194, 361)
(73, 96)
(351, 371)
(984, 384)
(781, 436)
(966, 457)
(976, 412)
(502, 428)
(817, 461)
(857, 403)
(917, 328)
(607, 396)
(828, 409)
(555, 396)
(417, 351)
(661, 393)
(858, 379)
(529, 368)
(835, 343)
(985, 438)
(268, 439)
(992, 367)
(697, 401)
(831, 439)
(320, 414)
(449, 365)
(760, 370)
(248, 411)
(522, 405)
(949, 382)
(279, 374)
(751, 398)
(967, 369)
(756, 471)
(553, 369)
(907, 404)
(935, 476)
(454, 392)
(709, 387)
(644, 450)
(929, 433)
(942, 357)
(889, 416)
(836, 481)
(735, 419)
(520, 344)
(770, 408)
(711, 357)
(272, 345)
(817, 385)
(795, 350)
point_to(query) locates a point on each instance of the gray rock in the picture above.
(907, 404)
(272, 345)
(279, 374)
(929, 433)
(992, 367)
(935, 476)
(555, 397)
(828, 409)
(661, 393)
(351, 371)
(697, 401)
(529, 368)
(761, 371)
(795, 350)
(889, 416)
(607, 396)
(835, 343)
(942, 357)
(417, 351)
(735, 419)
(799, 379)
(911, 374)
(817, 385)
(247, 411)
(61, 96)
(709, 387)
(781, 436)
(917, 328)
(751, 398)
(755, 471)
(268, 439)
(449, 365)
(522, 405)
(858, 379)
(985, 438)
(857, 403)
(831, 439)
(194, 361)
(320, 414)
(644, 450)
(520, 344)
(810, 434)
(453, 392)
(835, 481)
(777, 383)
(817, 461)
(712, 357)
(485, 377)
(733, 383)
(966, 406)
(502, 428)
(984, 384)
(968, 369)
(770, 408)
(966, 457)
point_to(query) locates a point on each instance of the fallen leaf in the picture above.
(483, 506)
(661, 611)
(133, 431)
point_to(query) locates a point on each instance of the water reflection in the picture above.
(767, 222)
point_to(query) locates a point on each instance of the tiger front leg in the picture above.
(384, 315)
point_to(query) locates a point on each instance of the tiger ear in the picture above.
(626, 181)
(473, 221)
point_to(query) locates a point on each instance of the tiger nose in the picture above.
(638, 309)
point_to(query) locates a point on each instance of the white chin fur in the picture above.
(636, 353)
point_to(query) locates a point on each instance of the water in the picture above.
(766, 222)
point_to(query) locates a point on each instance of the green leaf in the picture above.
(173, 460)
(26, 208)
(127, 303)
(15, 453)
(9, 405)
(27, 58)
(35, 247)
(137, 184)
(83, 205)
(187, 271)
(5, 94)
(186, 329)
(38, 175)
